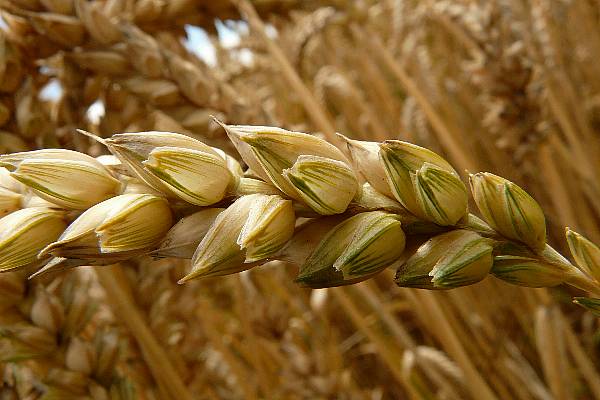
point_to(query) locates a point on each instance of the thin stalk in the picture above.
(389, 357)
(251, 344)
(369, 292)
(378, 92)
(477, 385)
(559, 194)
(584, 364)
(448, 138)
(456, 31)
(315, 112)
(585, 167)
(118, 294)
(229, 353)
(575, 187)
(549, 339)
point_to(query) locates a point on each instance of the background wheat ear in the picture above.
(507, 87)
(48, 348)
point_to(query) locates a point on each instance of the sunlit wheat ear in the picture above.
(292, 175)
(508, 85)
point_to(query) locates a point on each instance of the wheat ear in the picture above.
(341, 216)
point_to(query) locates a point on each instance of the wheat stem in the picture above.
(447, 336)
(548, 330)
(446, 136)
(587, 368)
(114, 282)
(319, 116)
(392, 359)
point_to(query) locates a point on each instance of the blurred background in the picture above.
(506, 86)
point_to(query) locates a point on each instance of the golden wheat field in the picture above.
(287, 199)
